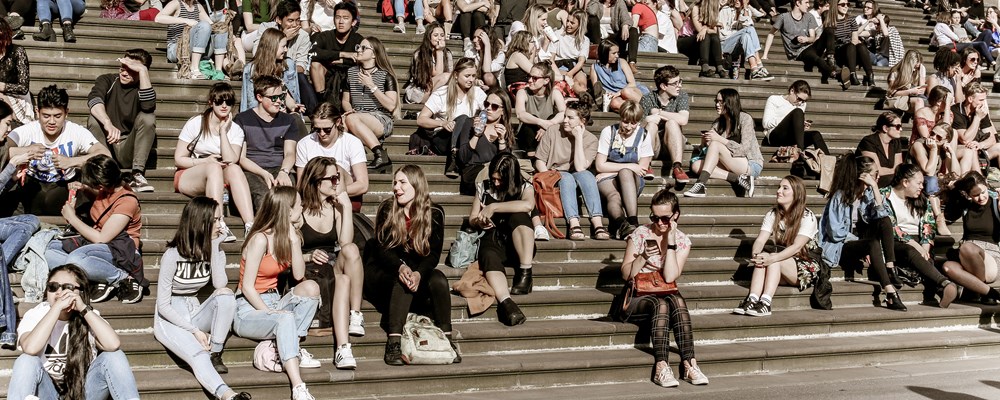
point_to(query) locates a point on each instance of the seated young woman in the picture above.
(450, 110)
(729, 149)
(791, 262)
(624, 152)
(978, 254)
(570, 149)
(661, 248)
(855, 226)
(60, 339)
(538, 107)
(908, 78)
(208, 161)
(196, 330)
(884, 146)
(914, 225)
(273, 246)
(785, 122)
(115, 212)
(371, 100)
(618, 83)
(401, 274)
(430, 66)
(330, 254)
(502, 208)
(480, 142)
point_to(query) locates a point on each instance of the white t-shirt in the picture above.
(567, 47)
(436, 103)
(321, 15)
(347, 150)
(807, 226)
(666, 28)
(55, 353)
(611, 139)
(208, 145)
(73, 141)
(905, 220)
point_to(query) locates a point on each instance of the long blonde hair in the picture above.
(454, 91)
(531, 17)
(265, 59)
(274, 216)
(383, 63)
(392, 232)
(708, 12)
(906, 71)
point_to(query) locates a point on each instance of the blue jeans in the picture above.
(68, 10)
(94, 258)
(585, 181)
(14, 234)
(214, 316)
(747, 37)
(648, 44)
(287, 320)
(109, 375)
(400, 10)
(879, 60)
(201, 34)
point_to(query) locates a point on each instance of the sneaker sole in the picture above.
(754, 314)
(317, 365)
(143, 189)
(739, 311)
(133, 300)
(356, 333)
(669, 384)
(347, 366)
(686, 194)
(104, 297)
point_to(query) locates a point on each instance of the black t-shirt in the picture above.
(978, 224)
(977, 11)
(265, 141)
(873, 144)
(962, 121)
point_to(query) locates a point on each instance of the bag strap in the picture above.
(112, 205)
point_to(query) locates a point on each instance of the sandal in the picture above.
(600, 233)
(576, 233)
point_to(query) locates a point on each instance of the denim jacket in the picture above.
(291, 81)
(928, 225)
(835, 225)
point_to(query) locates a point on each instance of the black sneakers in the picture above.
(101, 292)
(129, 291)
(393, 354)
(217, 363)
(746, 181)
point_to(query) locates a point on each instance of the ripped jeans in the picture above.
(287, 320)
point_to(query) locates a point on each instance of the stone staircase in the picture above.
(567, 339)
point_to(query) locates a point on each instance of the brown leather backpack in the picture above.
(547, 200)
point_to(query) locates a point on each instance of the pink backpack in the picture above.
(265, 357)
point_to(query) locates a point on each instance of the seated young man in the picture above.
(57, 147)
(271, 136)
(334, 52)
(972, 123)
(329, 138)
(121, 115)
(668, 109)
(800, 36)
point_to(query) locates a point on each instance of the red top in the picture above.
(647, 17)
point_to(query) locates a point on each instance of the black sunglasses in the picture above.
(53, 287)
(324, 130)
(658, 219)
(492, 106)
(228, 102)
(334, 179)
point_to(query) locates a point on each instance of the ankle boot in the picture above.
(721, 72)
(893, 278)
(217, 363)
(451, 166)
(380, 160)
(854, 79)
(893, 302)
(393, 353)
(522, 281)
(705, 71)
(869, 80)
(45, 34)
(68, 35)
(509, 313)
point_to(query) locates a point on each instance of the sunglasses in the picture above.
(276, 98)
(228, 102)
(658, 219)
(897, 126)
(535, 78)
(492, 106)
(361, 48)
(53, 287)
(325, 131)
(842, 4)
(974, 59)
(334, 179)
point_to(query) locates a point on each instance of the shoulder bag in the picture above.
(547, 200)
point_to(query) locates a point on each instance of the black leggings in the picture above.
(594, 29)
(36, 197)
(496, 248)
(910, 257)
(468, 22)
(851, 54)
(875, 240)
(24, 8)
(708, 51)
(526, 137)
(627, 49)
(688, 46)
(791, 131)
(812, 56)
(663, 313)
(391, 298)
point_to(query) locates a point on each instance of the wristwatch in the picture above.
(672, 247)
(86, 310)
(287, 172)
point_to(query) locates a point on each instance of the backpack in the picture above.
(265, 357)
(423, 343)
(547, 200)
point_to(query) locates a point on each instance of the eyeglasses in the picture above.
(678, 82)
(334, 179)
(361, 48)
(660, 219)
(53, 287)
(800, 101)
(492, 106)
(535, 78)
(228, 102)
(324, 130)
(275, 98)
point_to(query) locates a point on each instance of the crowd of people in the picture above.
(316, 96)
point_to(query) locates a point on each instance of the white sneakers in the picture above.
(665, 377)
(695, 376)
(357, 326)
(227, 234)
(300, 392)
(541, 233)
(344, 359)
(306, 360)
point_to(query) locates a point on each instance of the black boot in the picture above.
(509, 313)
(893, 278)
(393, 352)
(458, 355)
(522, 281)
(893, 302)
(380, 160)
(854, 79)
(217, 363)
(721, 72)
(451, 166)
(868, 80)
(68, 35)
(706, 71)
(45, 34)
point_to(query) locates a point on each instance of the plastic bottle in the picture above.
(481, 126)
(225, 202)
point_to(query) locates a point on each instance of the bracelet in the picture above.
(287, 172)
(672, 247)
(86, 310)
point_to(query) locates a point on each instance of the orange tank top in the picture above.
(267, 272)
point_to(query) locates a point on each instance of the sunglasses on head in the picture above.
(492, 106)
(324, 130)
(660, 219)
(53, 287)
(228, 102)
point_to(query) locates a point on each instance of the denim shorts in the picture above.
(755, 168)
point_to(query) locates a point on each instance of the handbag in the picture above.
(423, 343)
(465, 249)
(547, 200)
(265, 357)
(647, 283)
(786, 154)
(901, 103)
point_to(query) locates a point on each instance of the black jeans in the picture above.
(36, 197)
(791, 131)
(710, 50)
(627, 49)
(910, 257)
(594, 29)
(850, 55)
(812, 56)
(468, 22)
(688, 46)
(391, 298)
(875, 242)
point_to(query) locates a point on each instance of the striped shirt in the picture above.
(845, 28)
(174, 30)
(362, 98)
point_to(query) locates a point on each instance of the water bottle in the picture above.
(225, 203)
(46, 163)
(481, 126)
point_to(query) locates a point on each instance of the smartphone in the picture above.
(72, 197)
(652, 247)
